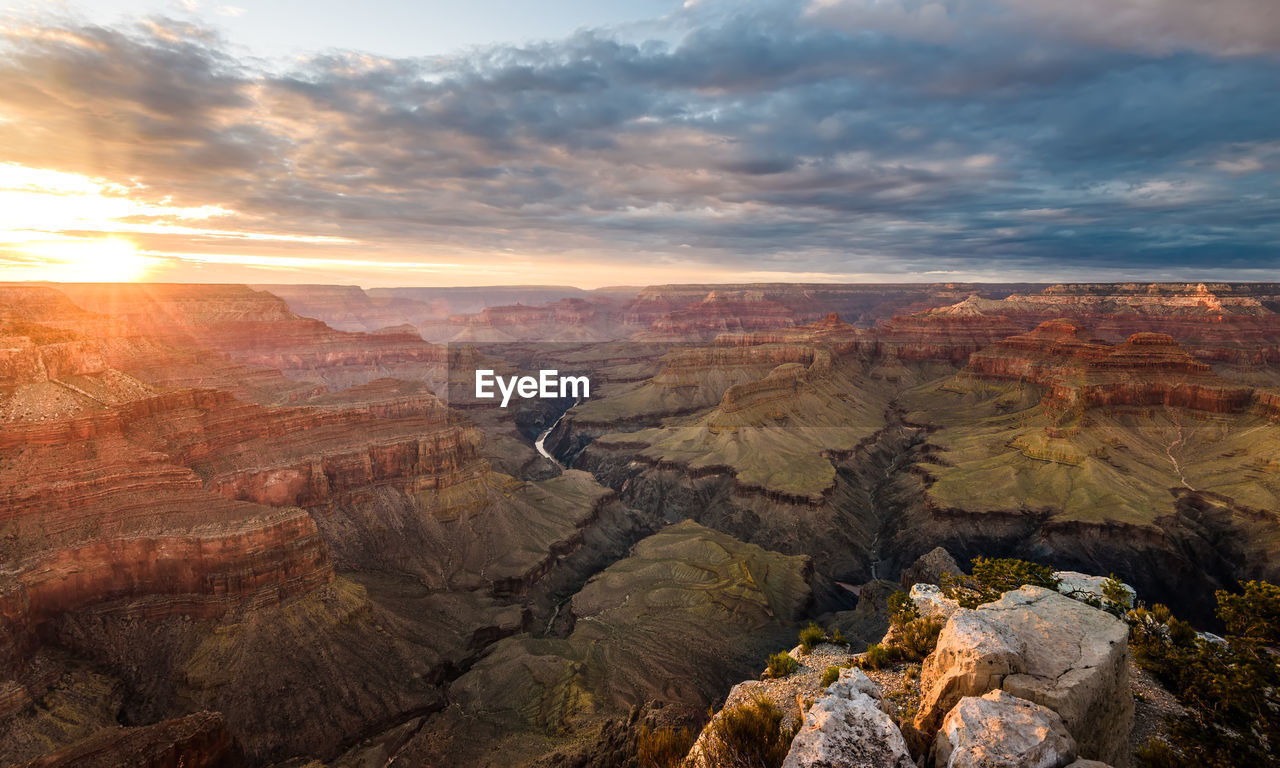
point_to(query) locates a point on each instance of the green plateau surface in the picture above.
(1001, 450)
(780, 433)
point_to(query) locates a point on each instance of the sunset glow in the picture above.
(670, 141)
(106, 260)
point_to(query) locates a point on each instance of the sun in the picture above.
(84, 260)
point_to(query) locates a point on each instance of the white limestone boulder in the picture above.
(1046, 648)
(848, 728)
(998, 730)
(1082, 586)
(974, 655)
(931, 603)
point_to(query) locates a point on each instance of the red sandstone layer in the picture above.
(1075, 370)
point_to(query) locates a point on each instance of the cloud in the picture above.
(1223, 27)
(772, 139)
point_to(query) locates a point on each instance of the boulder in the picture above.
(1083, 586)
(848, 728)
(1043, 647)
(999, 730)
(853, 682)
(974, 655)
(931, 603)
(929, 567)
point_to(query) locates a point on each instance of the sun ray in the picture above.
(85, 260)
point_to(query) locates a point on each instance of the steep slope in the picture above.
(1132, 457)
(689, 611)
(184, 542)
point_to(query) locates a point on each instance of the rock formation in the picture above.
(195, 741)
(1220, 322)
(185, 540)
(1147, 369)
(348, 308)
(998, 729)
(932, 603)
(254, 328)
(848, 727)
(929, 568)
(1082, 586)
(1048, 649)
(216, 508)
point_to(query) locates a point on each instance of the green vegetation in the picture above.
(1231, 689)
(782, 664)
(1254, 615)
(811, 636)
(1116, 599)
(663, 747)
(830, 675)
(876, 656)
(917, 639)
(749, 736)
(992, 577)
(901, 608)
(911, 636)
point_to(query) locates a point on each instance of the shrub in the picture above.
(838, 637)
(902, 608)
(912, 637)
(1157, 754)
(992, 577)
(663, 747)
(917, 638)
(877, 656)
(1116, 599)
(782, 664)
(749, 736)
(830, 675)
(1254, 615)
(811, 636)
(1231, 690)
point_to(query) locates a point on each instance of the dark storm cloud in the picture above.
(844, 137)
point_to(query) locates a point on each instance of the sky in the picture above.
(578, 142)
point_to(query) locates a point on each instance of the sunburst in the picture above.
(96, 260)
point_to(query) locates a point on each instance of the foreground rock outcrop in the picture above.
(848, 727)
(997, 730)
(1040, 646)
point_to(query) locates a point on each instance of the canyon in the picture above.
(269, 525)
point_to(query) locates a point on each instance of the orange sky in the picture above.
(816, 141)
(67, 227)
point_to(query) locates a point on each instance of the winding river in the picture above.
(541, 443)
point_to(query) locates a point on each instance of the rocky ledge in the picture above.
(1035, 678)
(1040, 647)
